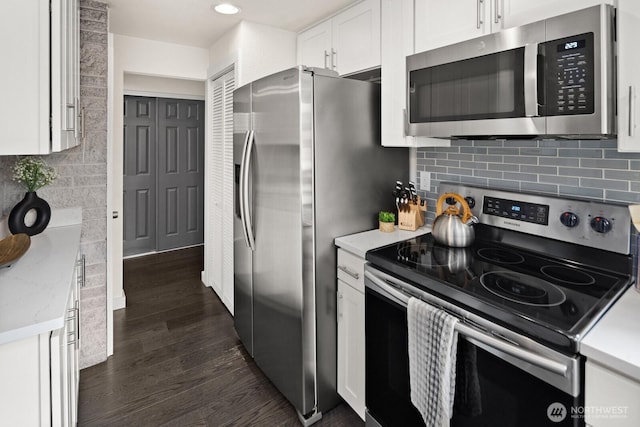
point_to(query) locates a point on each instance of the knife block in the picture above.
(412, 217)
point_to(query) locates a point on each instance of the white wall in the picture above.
(132, 55)
(255, 51)
(153, 58)
(163, 87)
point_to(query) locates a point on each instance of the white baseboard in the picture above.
(119, 301)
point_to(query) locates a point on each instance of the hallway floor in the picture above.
(177, 360)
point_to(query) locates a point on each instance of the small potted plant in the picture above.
(386, 221)
(33, 173)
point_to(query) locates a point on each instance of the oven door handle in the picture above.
(494, 343)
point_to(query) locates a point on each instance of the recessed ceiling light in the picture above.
(226, 9)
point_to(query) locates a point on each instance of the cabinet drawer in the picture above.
(351, 269)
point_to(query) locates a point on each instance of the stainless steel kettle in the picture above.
(452, 227)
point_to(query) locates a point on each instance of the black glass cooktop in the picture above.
(546, 297)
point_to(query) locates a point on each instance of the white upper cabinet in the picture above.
(40, 89)
(346, 43)
(520, 12)
(397, 41)
(314, 46)
(628, 22)
(440, 23)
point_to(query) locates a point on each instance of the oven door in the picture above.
(498, 383)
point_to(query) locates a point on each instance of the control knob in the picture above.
(569, 219)
(601, 224)
(470, 201)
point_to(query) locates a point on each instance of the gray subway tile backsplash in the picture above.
(513, 176)
(590, 193)
(551, 152)
(521, 160)
(487, 174)
(503, 167)
(559, 180)
(580, 152)
(607, 163)
(557, 161)
(546, 170)
(504, 151)
(623, 175)
(576, 168)
(581, 172)
(557, 143)
(604, 184)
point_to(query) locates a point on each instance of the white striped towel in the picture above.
(433, 343)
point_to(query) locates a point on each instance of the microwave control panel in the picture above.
(569, 81)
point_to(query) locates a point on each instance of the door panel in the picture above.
(242, 255)
(180, 173)
(278, 265)
(139, 183)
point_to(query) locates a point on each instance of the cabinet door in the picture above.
(396, 43)
(24, 78)
(314, 46)
(64, 74)
(520, 12)
(356, 38)
(351, 357)
(612, 394)
(439, 23)
(628, 22)
(219, 182)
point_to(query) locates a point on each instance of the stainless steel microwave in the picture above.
(549, 78)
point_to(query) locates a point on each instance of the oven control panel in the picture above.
(601, 225)
(515, 209)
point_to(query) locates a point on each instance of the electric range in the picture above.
(547, 267)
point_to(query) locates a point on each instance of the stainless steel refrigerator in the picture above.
(309, 167)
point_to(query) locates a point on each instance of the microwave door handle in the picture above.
(531, 80)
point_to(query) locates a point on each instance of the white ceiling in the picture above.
(194, 23)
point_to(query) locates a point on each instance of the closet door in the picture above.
(180, 173)
(220, 198)
(139, 181)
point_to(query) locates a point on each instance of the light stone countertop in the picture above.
(615, 340)
(359, 243)
(35, 289)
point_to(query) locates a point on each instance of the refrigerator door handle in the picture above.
(247, 225)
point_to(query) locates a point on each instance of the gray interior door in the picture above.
(180, 210)
(163, 174)
(139, 175)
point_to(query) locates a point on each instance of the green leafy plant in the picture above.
(386, 216)
(33, 173)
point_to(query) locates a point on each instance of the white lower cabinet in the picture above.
(351, 340)
(610, 399)
(40, 374)
(351, 355)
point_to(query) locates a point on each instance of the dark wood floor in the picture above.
(177, 360)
